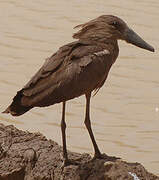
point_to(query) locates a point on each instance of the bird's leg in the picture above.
(88, 126)
(63, 128)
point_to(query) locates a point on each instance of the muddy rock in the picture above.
(30, 156)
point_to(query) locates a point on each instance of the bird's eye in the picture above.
(115, 24)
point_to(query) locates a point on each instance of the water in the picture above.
(123, 113)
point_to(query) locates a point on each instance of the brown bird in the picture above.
(76, 69)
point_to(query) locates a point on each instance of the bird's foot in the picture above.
(104, 156)
(67, 162)
(98, 156)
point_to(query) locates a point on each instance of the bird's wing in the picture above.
(60, 70)
(50, 65)
(40, 81)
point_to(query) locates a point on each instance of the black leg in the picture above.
(63, 128)
(88, 126)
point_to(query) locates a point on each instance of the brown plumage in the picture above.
(76, 69)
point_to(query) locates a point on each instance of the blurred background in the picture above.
(125, 112)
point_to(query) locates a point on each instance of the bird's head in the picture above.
(108, 27)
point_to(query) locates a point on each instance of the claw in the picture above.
(65, 163)
(100, 156)
(97, 156)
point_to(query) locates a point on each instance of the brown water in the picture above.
(125, 114)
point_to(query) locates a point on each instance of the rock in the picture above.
(30, 156)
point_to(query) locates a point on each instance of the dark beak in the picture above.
(133, 38)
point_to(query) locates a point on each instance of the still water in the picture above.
(125, 112)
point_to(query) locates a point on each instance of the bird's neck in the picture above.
(111, 45)
(105, 43)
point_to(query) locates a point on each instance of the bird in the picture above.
(78, 68)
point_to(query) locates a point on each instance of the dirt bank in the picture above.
(30, 156)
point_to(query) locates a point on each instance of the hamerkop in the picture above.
(76, 69)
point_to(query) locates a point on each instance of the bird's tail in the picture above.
(16, 108)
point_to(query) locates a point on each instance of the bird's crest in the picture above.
(83, 29)
(95, 29)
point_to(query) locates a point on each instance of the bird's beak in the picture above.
(131, 37)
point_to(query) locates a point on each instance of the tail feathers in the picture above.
(7, 110)
(16, 109)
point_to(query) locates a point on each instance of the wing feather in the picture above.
(62, 71)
